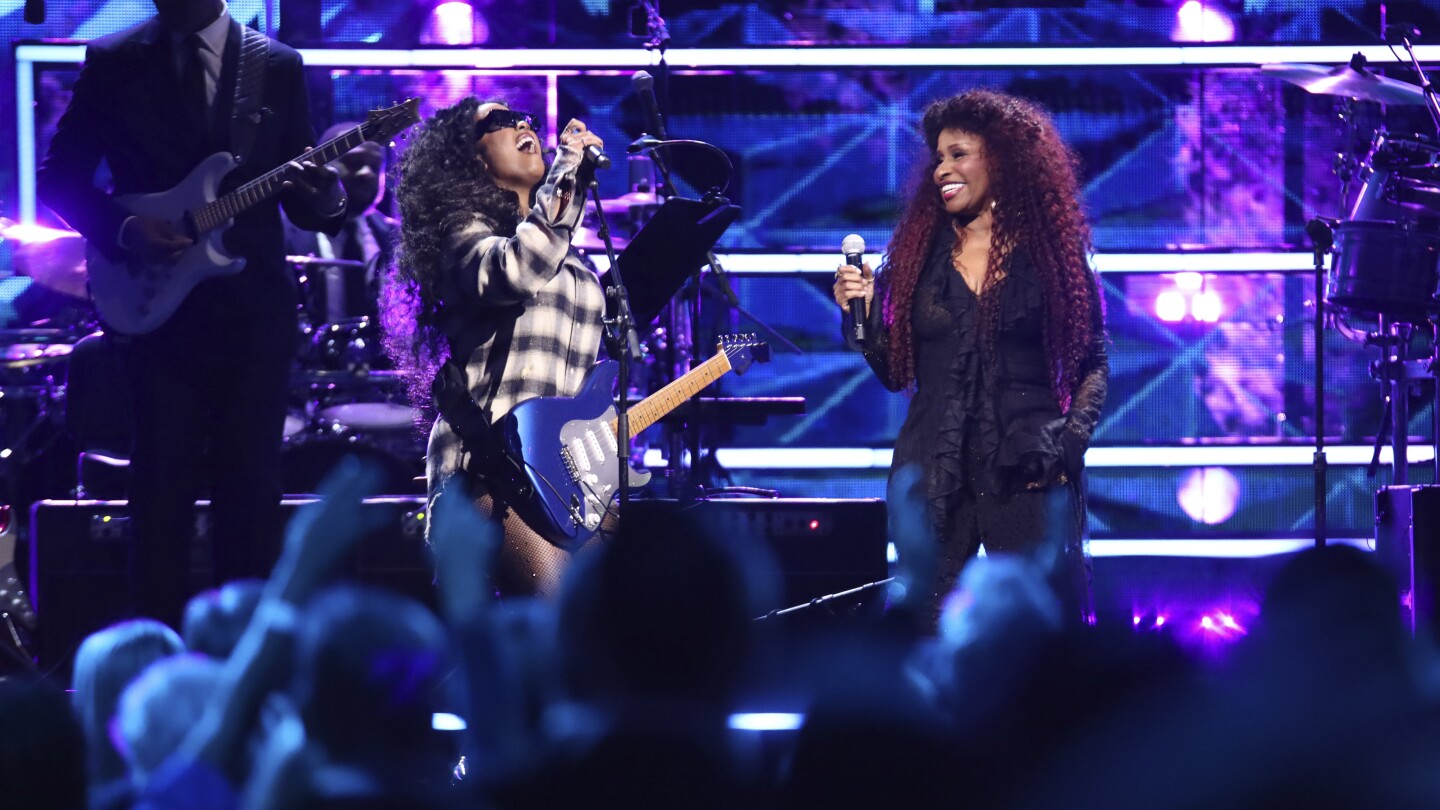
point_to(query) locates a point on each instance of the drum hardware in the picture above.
(1400, 375)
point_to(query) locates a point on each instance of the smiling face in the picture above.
(960, 173)
(511, 154)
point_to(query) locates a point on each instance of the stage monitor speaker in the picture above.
(80, 562)
(1407, 544)
(822, 546)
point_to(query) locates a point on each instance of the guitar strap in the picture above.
(249, 91)
(469, 419)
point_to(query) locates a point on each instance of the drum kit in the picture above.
(1383, 282)
(345, 397)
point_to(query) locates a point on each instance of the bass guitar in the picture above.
(568, 447)
(134, 296)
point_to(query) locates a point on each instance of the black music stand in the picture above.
(671, 248)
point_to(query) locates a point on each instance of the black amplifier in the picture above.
(80, 563)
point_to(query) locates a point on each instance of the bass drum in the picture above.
(1386, 268)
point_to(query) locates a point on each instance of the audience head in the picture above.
(1325, 601)
(42, 749)
(369, 668)
(106, 663)
(215, 619)
(160, 707)
(666, 609)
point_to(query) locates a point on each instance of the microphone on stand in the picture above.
(853, 246)
(644, 85)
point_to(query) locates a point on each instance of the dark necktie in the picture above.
(351, 246)
(192, 83)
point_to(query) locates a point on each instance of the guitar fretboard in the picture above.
(267, 185)
(654, 407)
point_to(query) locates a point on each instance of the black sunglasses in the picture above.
(502, 118)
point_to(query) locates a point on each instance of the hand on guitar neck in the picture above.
(154, 238)
(318, 182)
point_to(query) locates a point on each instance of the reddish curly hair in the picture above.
(1037, 210)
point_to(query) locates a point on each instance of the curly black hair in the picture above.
(1037, 208)
(439, 187)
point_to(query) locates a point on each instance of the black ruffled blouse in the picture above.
(990, 428)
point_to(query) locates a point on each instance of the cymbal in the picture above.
(52, 258)
(321, 261)
(587, 238)
(1345, 80)
(26, 355)
(629, 202)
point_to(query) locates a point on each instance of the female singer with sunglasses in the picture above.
(986, 308)
(485, 276)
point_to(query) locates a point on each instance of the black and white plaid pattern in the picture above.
(557, 337)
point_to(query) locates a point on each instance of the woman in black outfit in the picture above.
(989, 314)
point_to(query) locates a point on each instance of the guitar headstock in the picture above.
(382, 126)
(742, 350)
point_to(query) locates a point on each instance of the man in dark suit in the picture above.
(340, 293)
(210, 383)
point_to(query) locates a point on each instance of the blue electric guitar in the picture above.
(134, 296)
(570, 449)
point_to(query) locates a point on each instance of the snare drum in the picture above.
(1386, 268)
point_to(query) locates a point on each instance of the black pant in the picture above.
(211, 387)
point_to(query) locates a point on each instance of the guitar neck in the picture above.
(654, 407)
(267, 185)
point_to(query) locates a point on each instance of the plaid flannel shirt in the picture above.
(557, 335)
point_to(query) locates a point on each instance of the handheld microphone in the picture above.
(35, 11)
(853, 246)
(644, 85)
(596, 157)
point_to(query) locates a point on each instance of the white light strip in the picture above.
(25, 138)
(766, 721)
(865, 458)
(1244, 456)
(811, 57)
(793, 263)
(1234, 549)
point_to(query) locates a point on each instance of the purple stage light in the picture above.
(455, 23)
(1206, 306)
(1189, 281)
(1170, 306)
(1209, 495)
(1199, 21)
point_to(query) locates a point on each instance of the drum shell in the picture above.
(1385, 268)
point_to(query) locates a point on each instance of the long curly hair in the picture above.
(1037, 210)
(439, 187)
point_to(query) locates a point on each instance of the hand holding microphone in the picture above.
(855, 283)
(578, 136)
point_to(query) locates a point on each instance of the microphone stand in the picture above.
(1432, 100)
(622, 340)
(1322, 238)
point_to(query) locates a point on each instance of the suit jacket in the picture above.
(124, 112)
